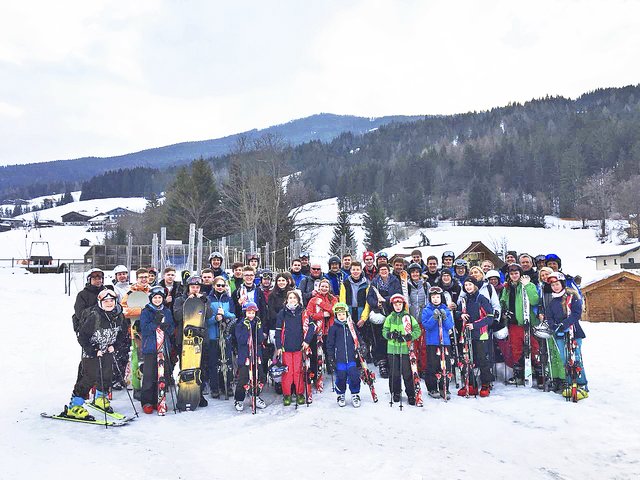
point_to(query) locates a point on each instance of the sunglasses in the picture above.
(221, 285)
(315, 269)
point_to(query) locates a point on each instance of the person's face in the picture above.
(324, 288)
(432, 265)
(108, 304)
(556, 286)
(460, 270)
(446, 279)
(96, 279)
(143, 279)
(334, 267)
(486, 266)
(304, 261)
(540, 263)
(415, 275)
(296, 267)
(152, 277)
(292, 299)
(207, 278)
(250, 314)
(510, 259)
(157, 300)
(122, 277)
(543, 276)
(436, 299)
(477, 275)
(216, 262)
(526, 263)
(383, 271)
(469, 287)
(553, 265)
(316, 270)
(219, 286)
(266, 282)
(514, 275)
(237, 272)
(494, 281)
(416, 258)
(281, 282)
(356, 271)
(342, 316)
(194, 289)
(447, 262)
(368, 262)
(253, 262)
(398, 267)
(398, 305)
(383, 261)
(169, 277)
(346, 262)
(248, 277)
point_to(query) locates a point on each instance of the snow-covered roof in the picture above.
(619, 250)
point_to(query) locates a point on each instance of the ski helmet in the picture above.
(396, 298)
(216, 255)
(414, 266)
(555, 277)
(158, 290)
(334, 259)
(92, 271)
(461, 262)
(120, 269)
(492, 274)
(194, 280)
(250, 307)
(448, 254)
(552, 257)
(304, 254)
(435, 290)
(266, 273)
(340, 307)
(104, 294)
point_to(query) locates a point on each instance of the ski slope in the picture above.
(515, 433)
(88, 207)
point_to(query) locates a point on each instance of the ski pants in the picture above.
(481, 362)
(582, 377)
(243, 381)
(399, 366)
(433, 366)
(293, 375)
(348, 371)
(149, 390)
(516, 338)
(89, 375)
(213, 360)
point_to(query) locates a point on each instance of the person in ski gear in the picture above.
(369, 270)
(121, 281)
(476, 314)
(510, 258)
(266, 283)
(248, 292)
(398, 266)
(296, 271)
(220, 322)
(172, 288)
(397, 350)
(192, 290)
(563, 316)
(102, 328)
(346, 264)
(382, 259)
(341, 353)
(461, 270)
(305, 265)
(88, 296)
(141, 285)
(207, 281)
(249, 338)
(335, 274)
(554, 262)
(451, 288)
(155, 314)
(236, 278)
(416, 257)
(447, 261)
(526, 262)
(293, 335)
(436, 316)
(512, 311)
(541, 261)
(353, 292)
(493, 277)
(309, 284)
(320, 307)
(432, 273)
(153, 276)
(216, 262)
(417, 288)
(486, 290)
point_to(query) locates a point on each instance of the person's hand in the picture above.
(525, 280)
(99, 353)
(452, 306)
(110, 349)
(465, 317)
(169, 299)
(470, 326)
(360, 323)
(220, 311)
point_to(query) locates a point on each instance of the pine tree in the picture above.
(66, 198)
(375, 225)
(343, 229)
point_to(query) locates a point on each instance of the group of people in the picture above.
(454, 321)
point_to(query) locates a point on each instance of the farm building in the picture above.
(477, 252)
(615, 298)
(622, 256)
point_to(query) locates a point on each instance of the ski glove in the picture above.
(395, 335)
(507, 316)
(272, 337)
(407, 337)
(362, 350)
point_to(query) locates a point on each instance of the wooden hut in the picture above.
(613, 299)
(477, 252)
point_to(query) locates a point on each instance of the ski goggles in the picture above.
(460, 262)
(106, 294)
(434, 290)
(383, 255)
(448, 253)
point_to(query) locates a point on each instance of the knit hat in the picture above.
(477, 283)
(368, 254)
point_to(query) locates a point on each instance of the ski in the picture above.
(119, 417)
(320, 355)
(108, 423)
(413, 361)
(467, 351)
(442, 353)
(162, 382)
(526, 348)
(368, 377)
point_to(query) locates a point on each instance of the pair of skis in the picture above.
(253, 362)
(367, 376)
(408, 328)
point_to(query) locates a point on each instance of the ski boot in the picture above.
(411, 401)
(300, 400)
(473, 391)
(355, 400)
(102, 403)
(383, 367)
(260, 403)
(396, 397)
(341, 400)
(286, 400)
(147, 408)
(203, 402)
(239, 406)
(485, 391)
(78, 412)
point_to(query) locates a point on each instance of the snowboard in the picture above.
(136, 299)
(193, 334)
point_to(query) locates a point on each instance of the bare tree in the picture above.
(598, 193)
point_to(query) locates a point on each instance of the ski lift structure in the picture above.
(40, 259)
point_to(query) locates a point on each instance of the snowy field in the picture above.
(515, 433)
(88, 207)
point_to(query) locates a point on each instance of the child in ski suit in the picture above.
(341, 352)
(218, 324)
(249, 333)
(293, 335)
(154, 314)
(437, 320)
(397, 350)
(100, 328)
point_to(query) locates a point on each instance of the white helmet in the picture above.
(491, 273)
(92, 271)
(501, 334)
(120, 269)
(376, 318)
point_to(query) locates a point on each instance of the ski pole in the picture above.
(125, 386)
(172, 384)
(400, 371)
(102, 388)
(393, 371)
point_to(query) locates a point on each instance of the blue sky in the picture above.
(102, 78)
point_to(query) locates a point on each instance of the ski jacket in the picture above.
(150, 319)
(432, 278)
(290, 329)
(130, 312)
(354, 294)
(219, 272)
(276, 303)
(341, 344)
(175, 292)
(370, 274)
(86, 298)
(245, 328)
(432, 325)
(480, 314)
(489, 292)
(507, 302)
(564, 312)
(394, 323)
(251, 294)
(451, 290)
(216, 301)
(100, 330)
(297, 277)
(318, 306)
(386, 290)
(307, 286)
(417, 296)
(336, 280)
(234, 284)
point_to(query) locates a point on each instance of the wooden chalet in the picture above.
(477, 252)
(615, 298)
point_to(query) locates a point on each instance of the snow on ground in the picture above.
(37, 201)
(514, 433)
(64, 241)
(88, 207)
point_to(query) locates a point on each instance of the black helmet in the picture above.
(414, 266)
(334, 259)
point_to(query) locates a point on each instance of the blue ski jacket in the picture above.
(149, 320)
(290, 331)
(432, 327)
(340, 342)
(245, 328)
